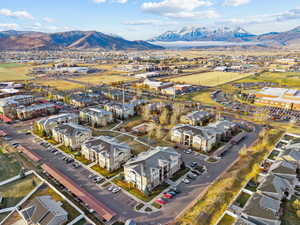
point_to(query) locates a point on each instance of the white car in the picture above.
(110, 188)
(116, 190)
(186, 181)
(188, 151)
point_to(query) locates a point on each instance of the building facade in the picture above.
(96, 117)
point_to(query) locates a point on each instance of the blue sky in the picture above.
(143, 19)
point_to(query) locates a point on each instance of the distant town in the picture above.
(204, 136)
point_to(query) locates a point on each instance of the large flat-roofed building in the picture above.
(107, 152)
(152, 168)
(47, 124)
(279, 97)
(71, 135)
(96, 117)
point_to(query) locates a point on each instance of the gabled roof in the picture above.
(274, 184)
(71, 129)
(262, 206)
(283, 167)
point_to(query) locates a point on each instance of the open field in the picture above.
(103, 79)
(60, 84)
(210, 79)
(12, 71)
(15, 191)
(290, 79)
(9, 166)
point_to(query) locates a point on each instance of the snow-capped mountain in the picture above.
(205, 34)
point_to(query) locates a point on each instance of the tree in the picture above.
(146, 112)
(164, 118)
(178, 110)
(296, 205)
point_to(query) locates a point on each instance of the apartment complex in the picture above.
(71, 135)
(96, 117)
(48, 123)
(107, 152)
(35, 110)
(152, 168)
(203, 138)
(197, 118)
(119, 110)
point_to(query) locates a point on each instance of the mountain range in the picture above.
(30, 40)
(228, 34)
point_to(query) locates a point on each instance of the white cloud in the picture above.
(99, 1)
(293, 14)
(121, 1)
(168, 6)
(206, 14)
(17, 14)
(236, 2)
(150, 22)
(8, 26)
(48, 20)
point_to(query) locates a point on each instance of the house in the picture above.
(284, 169)
(36, 110)
(277, 187)
(45, 211)
(84, 99)
(119, 110)
(48, 123)
(152, 168)
(223, 129)
(197, 118)
(261, 209)
(96, 116)
(107, 152)
(292, 154)
(192, 136)
(71, 135)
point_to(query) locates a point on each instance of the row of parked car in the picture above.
(167, 196)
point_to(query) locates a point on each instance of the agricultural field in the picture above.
(12, 72)
(210, 79)
(290, 79)
(103, 79)
(61, 85)
(9, 166)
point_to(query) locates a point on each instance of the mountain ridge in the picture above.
(33, 40)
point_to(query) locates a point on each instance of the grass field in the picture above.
(9, 166)
(12, 71)
(290, 79)
(15, 191)
(60, 84)
(103, 79)
(226, 220)
(210, 79)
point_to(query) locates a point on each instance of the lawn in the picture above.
(252, 186)
(289, 216)
(226, 220)
(273, 155)
(15, 191)
(179, 174)
(45, 190)
(242, 199)
(9, 166)
(210, 79)
(103, 79)
(104, 172)
(290, 79)
(97, 132)
(203, 97)
(61, 85)
(137, 193)
(12, 71)
(77, 155)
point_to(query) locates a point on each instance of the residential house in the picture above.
(261, 209)
(71, 135)
(197, 118)
(119, 110)
(107, 152)
(48, 123)
(95, 116)
(152, 168)
(45, 211)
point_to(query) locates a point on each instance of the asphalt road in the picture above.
(121, 203)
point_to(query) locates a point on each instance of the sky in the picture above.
(144, 19)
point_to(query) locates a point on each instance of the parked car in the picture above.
(188, 151)
(160, 201)
(167, 195)
(110, 188)
(173, 193)
(186, 181)
(194, 164)
(116, 190)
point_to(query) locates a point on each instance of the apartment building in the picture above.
(96, 117)
(119, 110)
